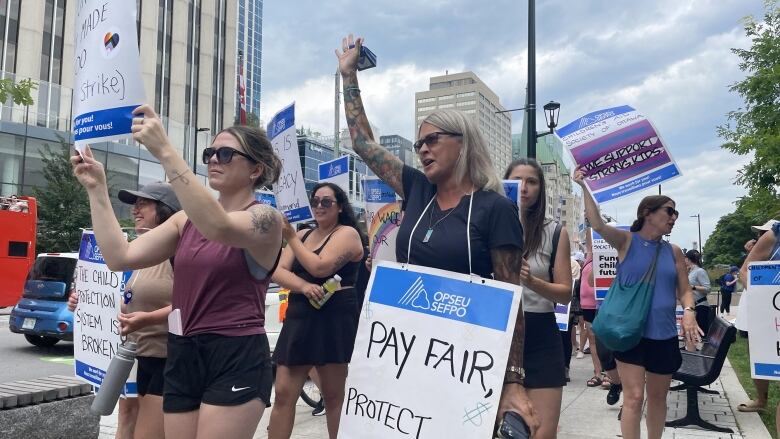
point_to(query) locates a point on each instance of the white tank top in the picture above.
(539, 263)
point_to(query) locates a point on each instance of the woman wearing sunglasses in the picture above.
(457, 196)
(218, 374)
(647, 368)
(323, 337)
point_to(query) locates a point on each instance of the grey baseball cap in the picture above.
(158, 191)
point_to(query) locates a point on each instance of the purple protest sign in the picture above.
(620, 152)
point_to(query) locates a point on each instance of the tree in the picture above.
(20, 92)
(63, 206)
(252, 120)
(756, 127)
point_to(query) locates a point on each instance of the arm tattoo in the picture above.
(384, 164)
(506, 268)
(180, 176)
(263, 220)
(340, 261)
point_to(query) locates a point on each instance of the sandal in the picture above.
(595, 381)
(606, 383)
(750, 407)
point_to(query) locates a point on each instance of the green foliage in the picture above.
(63, 206)
(20, 92)
(756, 127)
(252, 120)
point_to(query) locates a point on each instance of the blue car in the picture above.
(42, 313)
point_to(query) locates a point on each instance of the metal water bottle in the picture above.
(114, 381)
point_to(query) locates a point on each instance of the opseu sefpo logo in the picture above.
(440, 302)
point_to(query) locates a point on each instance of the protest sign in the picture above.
(266, 197)
(430, 354)
(383, 217)
(290, 190)
(335, 171)
(512, 190)
(107, 77)
(620, 152)
(764, 324)
(562, 316)
(95, 324)
(605, 260)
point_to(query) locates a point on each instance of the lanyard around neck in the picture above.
(468, 228)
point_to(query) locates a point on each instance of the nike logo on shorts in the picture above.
(234, 389)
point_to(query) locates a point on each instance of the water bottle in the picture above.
(330, 286)
(114, 381)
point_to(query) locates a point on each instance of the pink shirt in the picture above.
(587, 292)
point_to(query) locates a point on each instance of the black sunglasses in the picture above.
(326, 203)
(670, 211)
(432, 138)
(224, 155)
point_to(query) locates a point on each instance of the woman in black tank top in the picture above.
(320, 338)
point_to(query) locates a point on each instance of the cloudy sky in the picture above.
(669, 59)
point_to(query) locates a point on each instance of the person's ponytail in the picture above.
(637, 224)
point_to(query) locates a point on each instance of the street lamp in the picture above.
(195, 153)
(552, 110)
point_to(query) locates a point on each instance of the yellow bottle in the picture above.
(330, 286)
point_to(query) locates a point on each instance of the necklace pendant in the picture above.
(428, 235)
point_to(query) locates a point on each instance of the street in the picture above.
(19, 360)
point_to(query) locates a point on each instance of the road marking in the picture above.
(60, 360)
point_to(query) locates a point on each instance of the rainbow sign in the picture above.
(383, 217)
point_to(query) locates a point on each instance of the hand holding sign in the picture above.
(148, 130)
(579, 177)
(89, 172)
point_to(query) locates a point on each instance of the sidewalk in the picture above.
(585, 413)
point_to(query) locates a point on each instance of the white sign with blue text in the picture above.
(95, 324)
(107, 75)
(430, 354)
(512, 190)
(290, 190)
(764, 324)
(335, 171)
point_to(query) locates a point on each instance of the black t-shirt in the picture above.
(495, 222)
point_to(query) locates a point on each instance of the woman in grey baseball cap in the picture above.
(144, 316)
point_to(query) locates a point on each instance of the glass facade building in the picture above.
(249, 33)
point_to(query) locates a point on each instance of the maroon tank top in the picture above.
(215, 289)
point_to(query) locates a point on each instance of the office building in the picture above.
(401, 147)
(188, 66)
(249, 45)
(467, 93)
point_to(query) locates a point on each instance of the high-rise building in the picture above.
(249, 43)
(467, 93)
(188, 59)
(401, 147)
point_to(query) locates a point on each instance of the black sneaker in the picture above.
(319, 410)
(613, 396)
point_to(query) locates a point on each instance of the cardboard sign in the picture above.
(605, 260)
(107, 76)
(290, 190)
(620, 152)
(335, 171)
(764, 322)
(95, 324)
(383, 218)
(430, 354)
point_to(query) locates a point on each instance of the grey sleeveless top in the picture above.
(539, 263)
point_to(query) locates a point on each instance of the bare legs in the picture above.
(128, 412)
(215, 422)
(547, 404)
(633, 378)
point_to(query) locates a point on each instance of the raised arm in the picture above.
(381, 161)
(256, 229)
(759, 252)
(151, 248)
(343, 247)
(619, 239)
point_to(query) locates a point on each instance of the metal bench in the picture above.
(703, 368)
(55, 406)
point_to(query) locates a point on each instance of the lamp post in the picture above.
(552, 111)
(530, 109)
(195, 153)
(698, 221)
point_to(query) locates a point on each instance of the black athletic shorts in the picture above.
(542, 359)
(661, 357)
(589, 315)
(217, 370)
(150, 377)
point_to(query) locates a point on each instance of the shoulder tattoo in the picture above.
(264, 219)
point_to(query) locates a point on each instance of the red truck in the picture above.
(18, 225)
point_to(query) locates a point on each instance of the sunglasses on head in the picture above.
(326, 203)
(432, 138)
(224, 155)
(670, 211)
